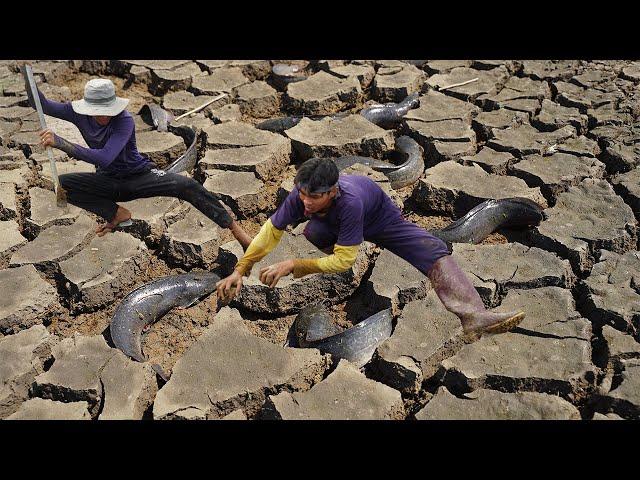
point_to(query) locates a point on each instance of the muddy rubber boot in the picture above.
(459, 296)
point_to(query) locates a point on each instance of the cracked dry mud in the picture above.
(562, 133)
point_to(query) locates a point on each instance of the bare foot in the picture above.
(122, 215)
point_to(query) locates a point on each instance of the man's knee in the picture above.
(77, 181)
(322, 244)
(319, 237)
(437, 246)
(66, 180)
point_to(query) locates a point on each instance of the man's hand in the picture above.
(229, 287)
(271, 274)
(47, 138)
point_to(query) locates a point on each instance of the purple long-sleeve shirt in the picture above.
(112, 147)
(360, 212)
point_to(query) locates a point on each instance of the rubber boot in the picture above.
(459, 296)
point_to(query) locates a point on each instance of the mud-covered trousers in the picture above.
(400, 236)
(99, 192)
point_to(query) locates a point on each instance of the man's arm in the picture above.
(49, 107)
(101, 157)
(341, 260)
(263, 243)
(345, 250)
(290, 211)
(266, 240)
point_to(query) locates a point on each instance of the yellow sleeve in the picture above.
(266, 240)
(341, 260)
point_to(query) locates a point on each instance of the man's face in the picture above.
(316, 202)
(102, 119)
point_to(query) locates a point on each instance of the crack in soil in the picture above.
(533, 333)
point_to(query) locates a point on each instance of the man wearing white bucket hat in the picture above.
(122, 173)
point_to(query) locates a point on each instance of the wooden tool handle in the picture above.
(28, 74)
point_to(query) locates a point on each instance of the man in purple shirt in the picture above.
(122, 173)
(343, 211)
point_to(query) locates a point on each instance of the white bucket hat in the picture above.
(100, 99)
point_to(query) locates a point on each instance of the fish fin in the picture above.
(190, 303)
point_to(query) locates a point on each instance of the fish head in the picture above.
(202, 283)
(412, 101)
(529, 212)
(284, 69)
(314, 323)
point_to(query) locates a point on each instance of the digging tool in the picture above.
(61, 194)
(457, 84)
(197, 109)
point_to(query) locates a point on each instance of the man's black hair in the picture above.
(317, 175)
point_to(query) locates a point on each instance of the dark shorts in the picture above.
(407, 240)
